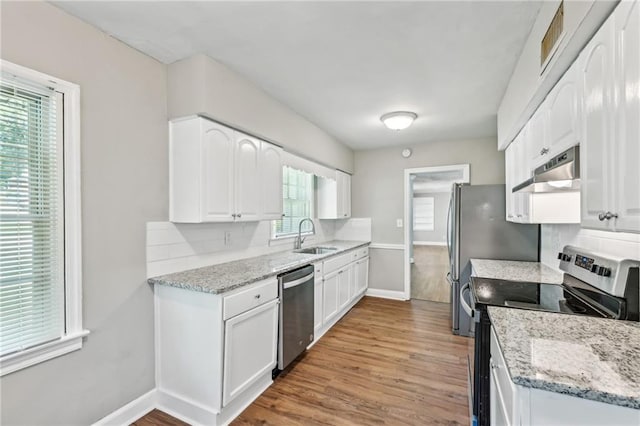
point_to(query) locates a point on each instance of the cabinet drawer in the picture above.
(337, 262)
(250, 297)
(362, 252)
(505, 387)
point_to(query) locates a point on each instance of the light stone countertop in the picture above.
(581, 356)
(515, 271)
(228, 276)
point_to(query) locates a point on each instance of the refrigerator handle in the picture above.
(463, 303)
(449, 229)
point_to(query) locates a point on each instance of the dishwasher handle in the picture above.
(286, 285)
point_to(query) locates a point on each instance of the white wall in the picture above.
(377, 192)
(124, 185)
(200, 85)
(616, 244)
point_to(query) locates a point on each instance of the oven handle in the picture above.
(463, 303)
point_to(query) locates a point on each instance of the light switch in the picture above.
(399, 223)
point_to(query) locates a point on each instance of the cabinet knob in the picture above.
(345, 215)
(257, 296)
(239, 215)
(607, 216)
(233, 215)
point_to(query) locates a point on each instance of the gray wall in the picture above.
(440, 210)
(201, 85)
(377, 192)
(124, 185)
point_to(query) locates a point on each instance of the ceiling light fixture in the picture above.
(398, 120)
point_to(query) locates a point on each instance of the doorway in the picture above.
(427, 196)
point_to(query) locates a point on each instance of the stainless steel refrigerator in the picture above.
(477, 228)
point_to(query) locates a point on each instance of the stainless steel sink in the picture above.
(316, 250)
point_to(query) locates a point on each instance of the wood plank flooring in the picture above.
(385, 363)
(429, 272)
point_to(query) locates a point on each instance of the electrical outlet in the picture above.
(399, 223)
(227, 238)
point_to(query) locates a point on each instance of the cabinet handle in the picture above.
(544, 151)
(519, 215)
(345, 215)
(340, 272)
(239, 215)
(607, 216)
(257, 296)
(233, 215)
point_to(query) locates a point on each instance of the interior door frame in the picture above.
(408, 214)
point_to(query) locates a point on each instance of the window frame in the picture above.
(275, 237)
(74, 332)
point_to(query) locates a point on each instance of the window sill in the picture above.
(288, 239)
(41, 353)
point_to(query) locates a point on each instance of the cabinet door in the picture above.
(344, 287)
(509, 166)
(537, 135)
(362, 275)
(271, 181)
(247, 193)
(522, 173)
(250, 343)
(498, 415)
(353, 281)
(317, 304)
(330, 299)
(345, 190)
(563, 114)
(595, 74)
(218, 148)
(627, 159)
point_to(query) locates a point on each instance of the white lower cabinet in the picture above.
(514, 405)
(250, 343)
(214, 352)
(330, 290)
(340, 282)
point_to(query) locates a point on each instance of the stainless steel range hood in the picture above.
(560, 174)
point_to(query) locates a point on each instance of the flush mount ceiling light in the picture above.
(398, 120)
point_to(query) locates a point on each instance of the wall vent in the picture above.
(552, 35)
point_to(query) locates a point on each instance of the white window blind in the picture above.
(32, 309)
(423, 214)
(297, 194)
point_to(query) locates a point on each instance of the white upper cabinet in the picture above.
(627, 154)
(247, 194)
(271, 181)
(595, 75)
(334, 197)
(562, 105)
(538, 137)
(218, 174)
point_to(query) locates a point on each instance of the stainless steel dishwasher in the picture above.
(296, 314)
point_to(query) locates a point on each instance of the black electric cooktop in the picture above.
(529, 295)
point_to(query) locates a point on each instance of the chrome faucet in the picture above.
(297, 244)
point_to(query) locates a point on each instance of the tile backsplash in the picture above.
(615, 244)
(174, 247)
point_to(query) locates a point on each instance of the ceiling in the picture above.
(343, 64)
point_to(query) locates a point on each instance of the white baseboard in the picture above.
(130, 412)
(429, 243)
(386, 294)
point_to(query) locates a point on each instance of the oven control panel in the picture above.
(584, 261)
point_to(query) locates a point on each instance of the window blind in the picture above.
(297, 194)
(31, 216)
(423, 214)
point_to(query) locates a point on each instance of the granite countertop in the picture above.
(581, 356)
(228, 276)
(515, 271)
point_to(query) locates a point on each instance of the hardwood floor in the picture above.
(429, 272)
(385, 363)
(158, 418)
